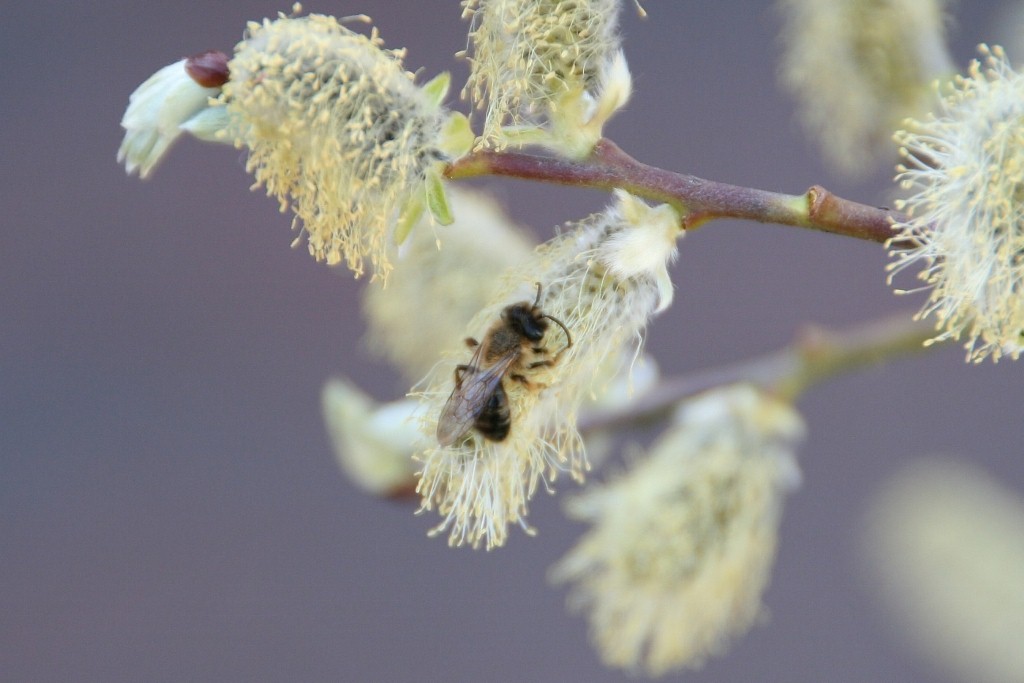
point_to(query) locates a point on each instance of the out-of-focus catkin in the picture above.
(681, 547)
(442, 278)
(858, 67)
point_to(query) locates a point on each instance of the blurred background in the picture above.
(170, 507)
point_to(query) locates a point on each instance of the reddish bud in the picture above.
(209, 69)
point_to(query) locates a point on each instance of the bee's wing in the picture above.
(468, 400)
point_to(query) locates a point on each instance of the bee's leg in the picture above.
(459, 371)
(520, 378)
(472, 343)
(529, 384)
(547, 363)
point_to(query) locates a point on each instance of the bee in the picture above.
(479, 399)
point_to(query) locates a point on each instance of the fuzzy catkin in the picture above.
(963, 170)
(603, 279)
(528, 55)
(858, 67)
(681, 547)
(335, 129)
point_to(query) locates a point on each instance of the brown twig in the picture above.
(697, 200)
(815, 355)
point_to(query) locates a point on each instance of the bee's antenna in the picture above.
(535, 303)
(568, 337)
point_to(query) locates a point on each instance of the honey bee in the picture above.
(479, 399)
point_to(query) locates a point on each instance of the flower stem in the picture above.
(815, 355)
(697, 200)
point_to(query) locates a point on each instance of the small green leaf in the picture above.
(437, 200)
(407, 221)
(457, 137)
(522, 136)
(436, 89)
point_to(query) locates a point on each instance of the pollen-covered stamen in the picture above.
(537, 61)
(336, 130)
(964, 171)
(603, 279)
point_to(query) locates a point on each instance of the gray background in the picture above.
(169, 505)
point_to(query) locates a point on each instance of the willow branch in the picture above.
(815, 355)
(697, 200)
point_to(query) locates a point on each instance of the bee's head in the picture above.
(526, 320)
